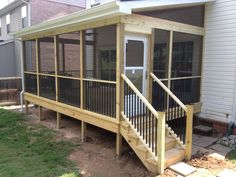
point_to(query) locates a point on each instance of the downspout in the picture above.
(22, 76)
(22, 60)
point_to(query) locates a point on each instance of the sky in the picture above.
(4, 3)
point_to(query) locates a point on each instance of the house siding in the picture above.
(219, 69)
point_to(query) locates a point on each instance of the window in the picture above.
(8, 20)
(23, 16)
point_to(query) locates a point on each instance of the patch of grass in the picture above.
(31, 150)
(232, 156)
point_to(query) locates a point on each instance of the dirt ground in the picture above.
(96, 157)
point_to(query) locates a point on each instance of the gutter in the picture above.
(22, 65)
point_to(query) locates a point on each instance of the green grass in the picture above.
(31, 151)
(232, 156)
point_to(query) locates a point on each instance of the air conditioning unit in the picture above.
(100, 2)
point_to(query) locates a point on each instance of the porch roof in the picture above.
(102, 12)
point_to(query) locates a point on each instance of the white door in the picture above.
(136, 67)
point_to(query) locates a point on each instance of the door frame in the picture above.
(143, 38)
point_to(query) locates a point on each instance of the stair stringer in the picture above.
(135, 143)
(173, 152)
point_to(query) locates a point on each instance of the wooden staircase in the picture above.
(173, 152)
(146, 130)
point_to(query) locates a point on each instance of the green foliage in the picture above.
(232, 156)
(31, 150)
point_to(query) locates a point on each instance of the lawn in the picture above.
(32, 151)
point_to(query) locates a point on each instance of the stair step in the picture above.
(203, 130)
(174, 155)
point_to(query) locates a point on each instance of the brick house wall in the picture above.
(43, 10)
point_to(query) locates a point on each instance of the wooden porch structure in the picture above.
(114, 103)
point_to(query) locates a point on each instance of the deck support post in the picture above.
(189, 132)
(120, 36)
(118, 144)
(83, 131)
(58, 120)
(26, 107)
(40, 109)
(161, 142)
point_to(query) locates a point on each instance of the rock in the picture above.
(217, 156)
(182, 168)
(227, 173)
(232, 137)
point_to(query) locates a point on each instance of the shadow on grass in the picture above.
(32, 150)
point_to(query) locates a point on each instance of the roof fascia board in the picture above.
(103, 11)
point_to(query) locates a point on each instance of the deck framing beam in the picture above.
(95, 119)
(142, 21)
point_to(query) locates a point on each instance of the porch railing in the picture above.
(148, 124)
(178, 115)
(100, 96)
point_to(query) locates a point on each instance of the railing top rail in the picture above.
(169, 92)
(141, 97)
(9, 78)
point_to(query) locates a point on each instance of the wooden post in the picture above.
(170, 52)
(189, 132)
(82, 63)
(26, 107)
(151, 39)
(119, 83)
(161, 142)
(83, 131)
(58, 120)
(40, 113)
(38, 64)
(56, 64)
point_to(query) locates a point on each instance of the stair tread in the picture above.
(203, 128)
(174, 155)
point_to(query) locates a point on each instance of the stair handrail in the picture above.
(189, 119)
(140, 95)
(170, 93)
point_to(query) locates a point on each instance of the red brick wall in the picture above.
(43, 10)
